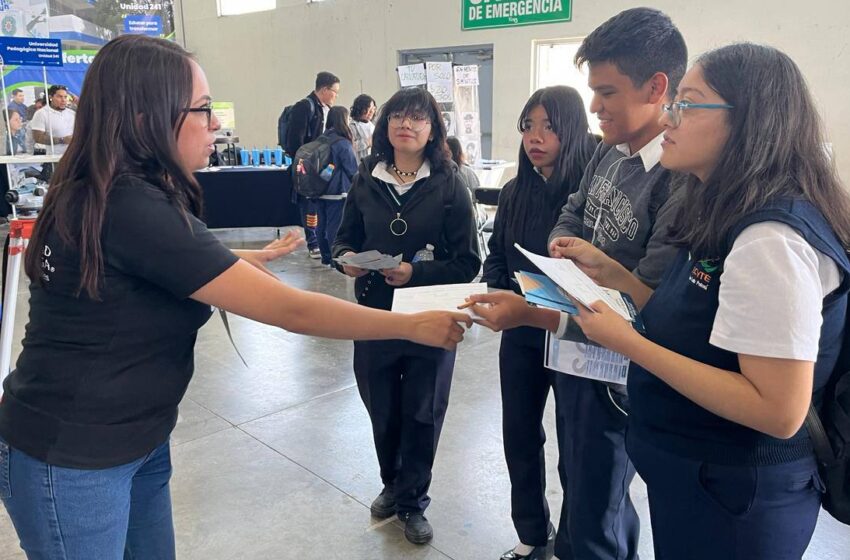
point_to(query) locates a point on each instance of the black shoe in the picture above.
(384, 505)
(416, 528)
(544, 552)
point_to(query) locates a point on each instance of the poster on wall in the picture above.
(440, 84)
(466, 76)
(411, 75)
(449, 121)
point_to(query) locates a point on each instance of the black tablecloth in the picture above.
(248, 197)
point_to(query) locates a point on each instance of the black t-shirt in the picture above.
(98, 382)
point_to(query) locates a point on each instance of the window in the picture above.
(553, 65)
(236, 7)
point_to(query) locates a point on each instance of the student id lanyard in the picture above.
(398, 226)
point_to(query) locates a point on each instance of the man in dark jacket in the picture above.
(306, 123)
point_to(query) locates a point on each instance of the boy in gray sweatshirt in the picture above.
(624, 206)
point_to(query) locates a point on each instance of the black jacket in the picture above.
(306, 123)
(504, 259)
(438, 211)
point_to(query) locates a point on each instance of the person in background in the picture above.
(555, 149)
(470, 179)
(407, 199)
(331, 203)
(55, 122)
(122, 274)
(17, 103)
(306, 123)
(17, 128)
(362, 112)
(38, 104)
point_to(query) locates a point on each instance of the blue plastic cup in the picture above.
(267, 156)
(278, 156)
(245, 156)
(255, 157)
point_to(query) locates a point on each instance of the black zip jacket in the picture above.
(438, 211)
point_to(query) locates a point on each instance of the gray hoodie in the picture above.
(624, 206)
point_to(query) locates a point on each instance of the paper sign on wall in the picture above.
(440, 84)
(466, 75)
(412, 75)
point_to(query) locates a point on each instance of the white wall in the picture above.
(267, 60)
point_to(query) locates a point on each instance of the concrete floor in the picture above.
(275, 461)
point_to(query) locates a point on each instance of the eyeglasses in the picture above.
(418, 121)
(205, 109)
(674, 110)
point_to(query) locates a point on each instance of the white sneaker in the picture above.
(315, 253)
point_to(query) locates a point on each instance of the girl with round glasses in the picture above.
(407, 199)
(745, 329)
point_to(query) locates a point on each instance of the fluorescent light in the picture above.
(237, 7)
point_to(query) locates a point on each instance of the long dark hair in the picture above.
(338, 121)
(127, 122)
(775, 150)
(456, 150)
(565, 110)
(408, 101)
(361, 106)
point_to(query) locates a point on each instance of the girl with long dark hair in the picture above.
(330, 204)
(744, 331)
(407, 199)
(123, 274)
(556, 147)
(363, 110)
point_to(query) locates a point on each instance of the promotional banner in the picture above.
(486, 14)
(83, 27)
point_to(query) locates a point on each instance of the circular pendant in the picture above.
(398, 227)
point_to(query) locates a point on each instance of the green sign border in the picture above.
(568, 18)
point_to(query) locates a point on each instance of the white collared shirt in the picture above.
(382, 172)
(649, 154)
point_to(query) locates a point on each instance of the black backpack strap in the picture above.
(820, 441)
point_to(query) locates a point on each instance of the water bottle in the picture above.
(327, 172)
(426, 254)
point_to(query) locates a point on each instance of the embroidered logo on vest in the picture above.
(703, 272)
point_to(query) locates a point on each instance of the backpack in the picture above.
(829, 431)
(309, 162)
(283, 122)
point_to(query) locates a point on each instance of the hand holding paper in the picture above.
(576, 283)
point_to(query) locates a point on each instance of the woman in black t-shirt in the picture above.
(123, 275)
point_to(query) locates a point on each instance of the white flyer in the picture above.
(585, 359)
(370, 260)
(576, 283)
(446, 297)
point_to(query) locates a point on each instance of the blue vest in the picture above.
(680, 316)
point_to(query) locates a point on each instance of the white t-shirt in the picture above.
(61, 124)
(771, 294)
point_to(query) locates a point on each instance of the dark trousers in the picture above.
(405, 388)
(598, 520)
(309, 214)
(704, 511)
(330, 216)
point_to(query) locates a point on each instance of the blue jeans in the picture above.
(117, 513)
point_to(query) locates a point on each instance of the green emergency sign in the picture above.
(485, 14)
